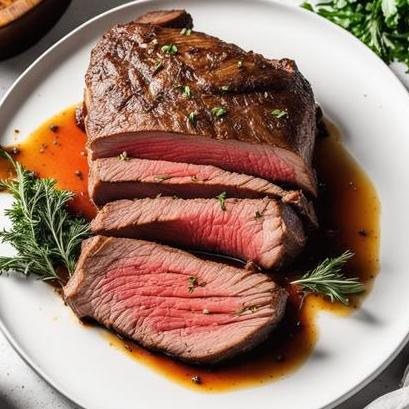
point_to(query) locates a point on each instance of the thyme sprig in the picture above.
(328, 280)
(42, 231)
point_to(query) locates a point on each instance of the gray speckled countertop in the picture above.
(20, 387)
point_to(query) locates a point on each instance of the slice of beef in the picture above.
(113, 179)
(171, 301)
(260, 230)
(167, 18)
(162, 95)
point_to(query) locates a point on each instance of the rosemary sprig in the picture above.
(43, 233)
(328, 280)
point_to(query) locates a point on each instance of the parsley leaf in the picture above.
(383, 25)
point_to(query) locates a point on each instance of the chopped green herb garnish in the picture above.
(186, 31)
(218, 112)
(192, 117)
(186, 91)
(123, 156)
(279, 113)
(169, 49)
(222, 198)
(328, 280)
(193, 283)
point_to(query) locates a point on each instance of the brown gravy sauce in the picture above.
(348, 209)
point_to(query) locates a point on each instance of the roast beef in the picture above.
(168, 300)
(167, 94)
(113, 179)
(167, 18)
(260, 230)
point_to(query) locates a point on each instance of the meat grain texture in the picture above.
(171, 301)
(260, 230)
(113, 179)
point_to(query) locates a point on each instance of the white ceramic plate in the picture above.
(357, 91)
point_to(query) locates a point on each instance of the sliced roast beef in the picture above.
(170, 301)
(167, 18)
(261, 230)
(160, 94)
(113, 179)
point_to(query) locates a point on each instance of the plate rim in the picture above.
(277, 3)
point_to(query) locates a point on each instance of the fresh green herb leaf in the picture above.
(222, 198)
(186, 91)
(383, 25)
(186, 31)
(328, 280)
(43, 233)
(218, 112)
(279, 113)
(123, 156)
(193, 282)
(169, 49)
(192, 117)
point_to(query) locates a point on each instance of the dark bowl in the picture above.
(25, 22)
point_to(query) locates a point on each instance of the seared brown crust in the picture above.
(127, 92)
(167, 18)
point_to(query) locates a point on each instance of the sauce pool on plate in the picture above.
(348, 210)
